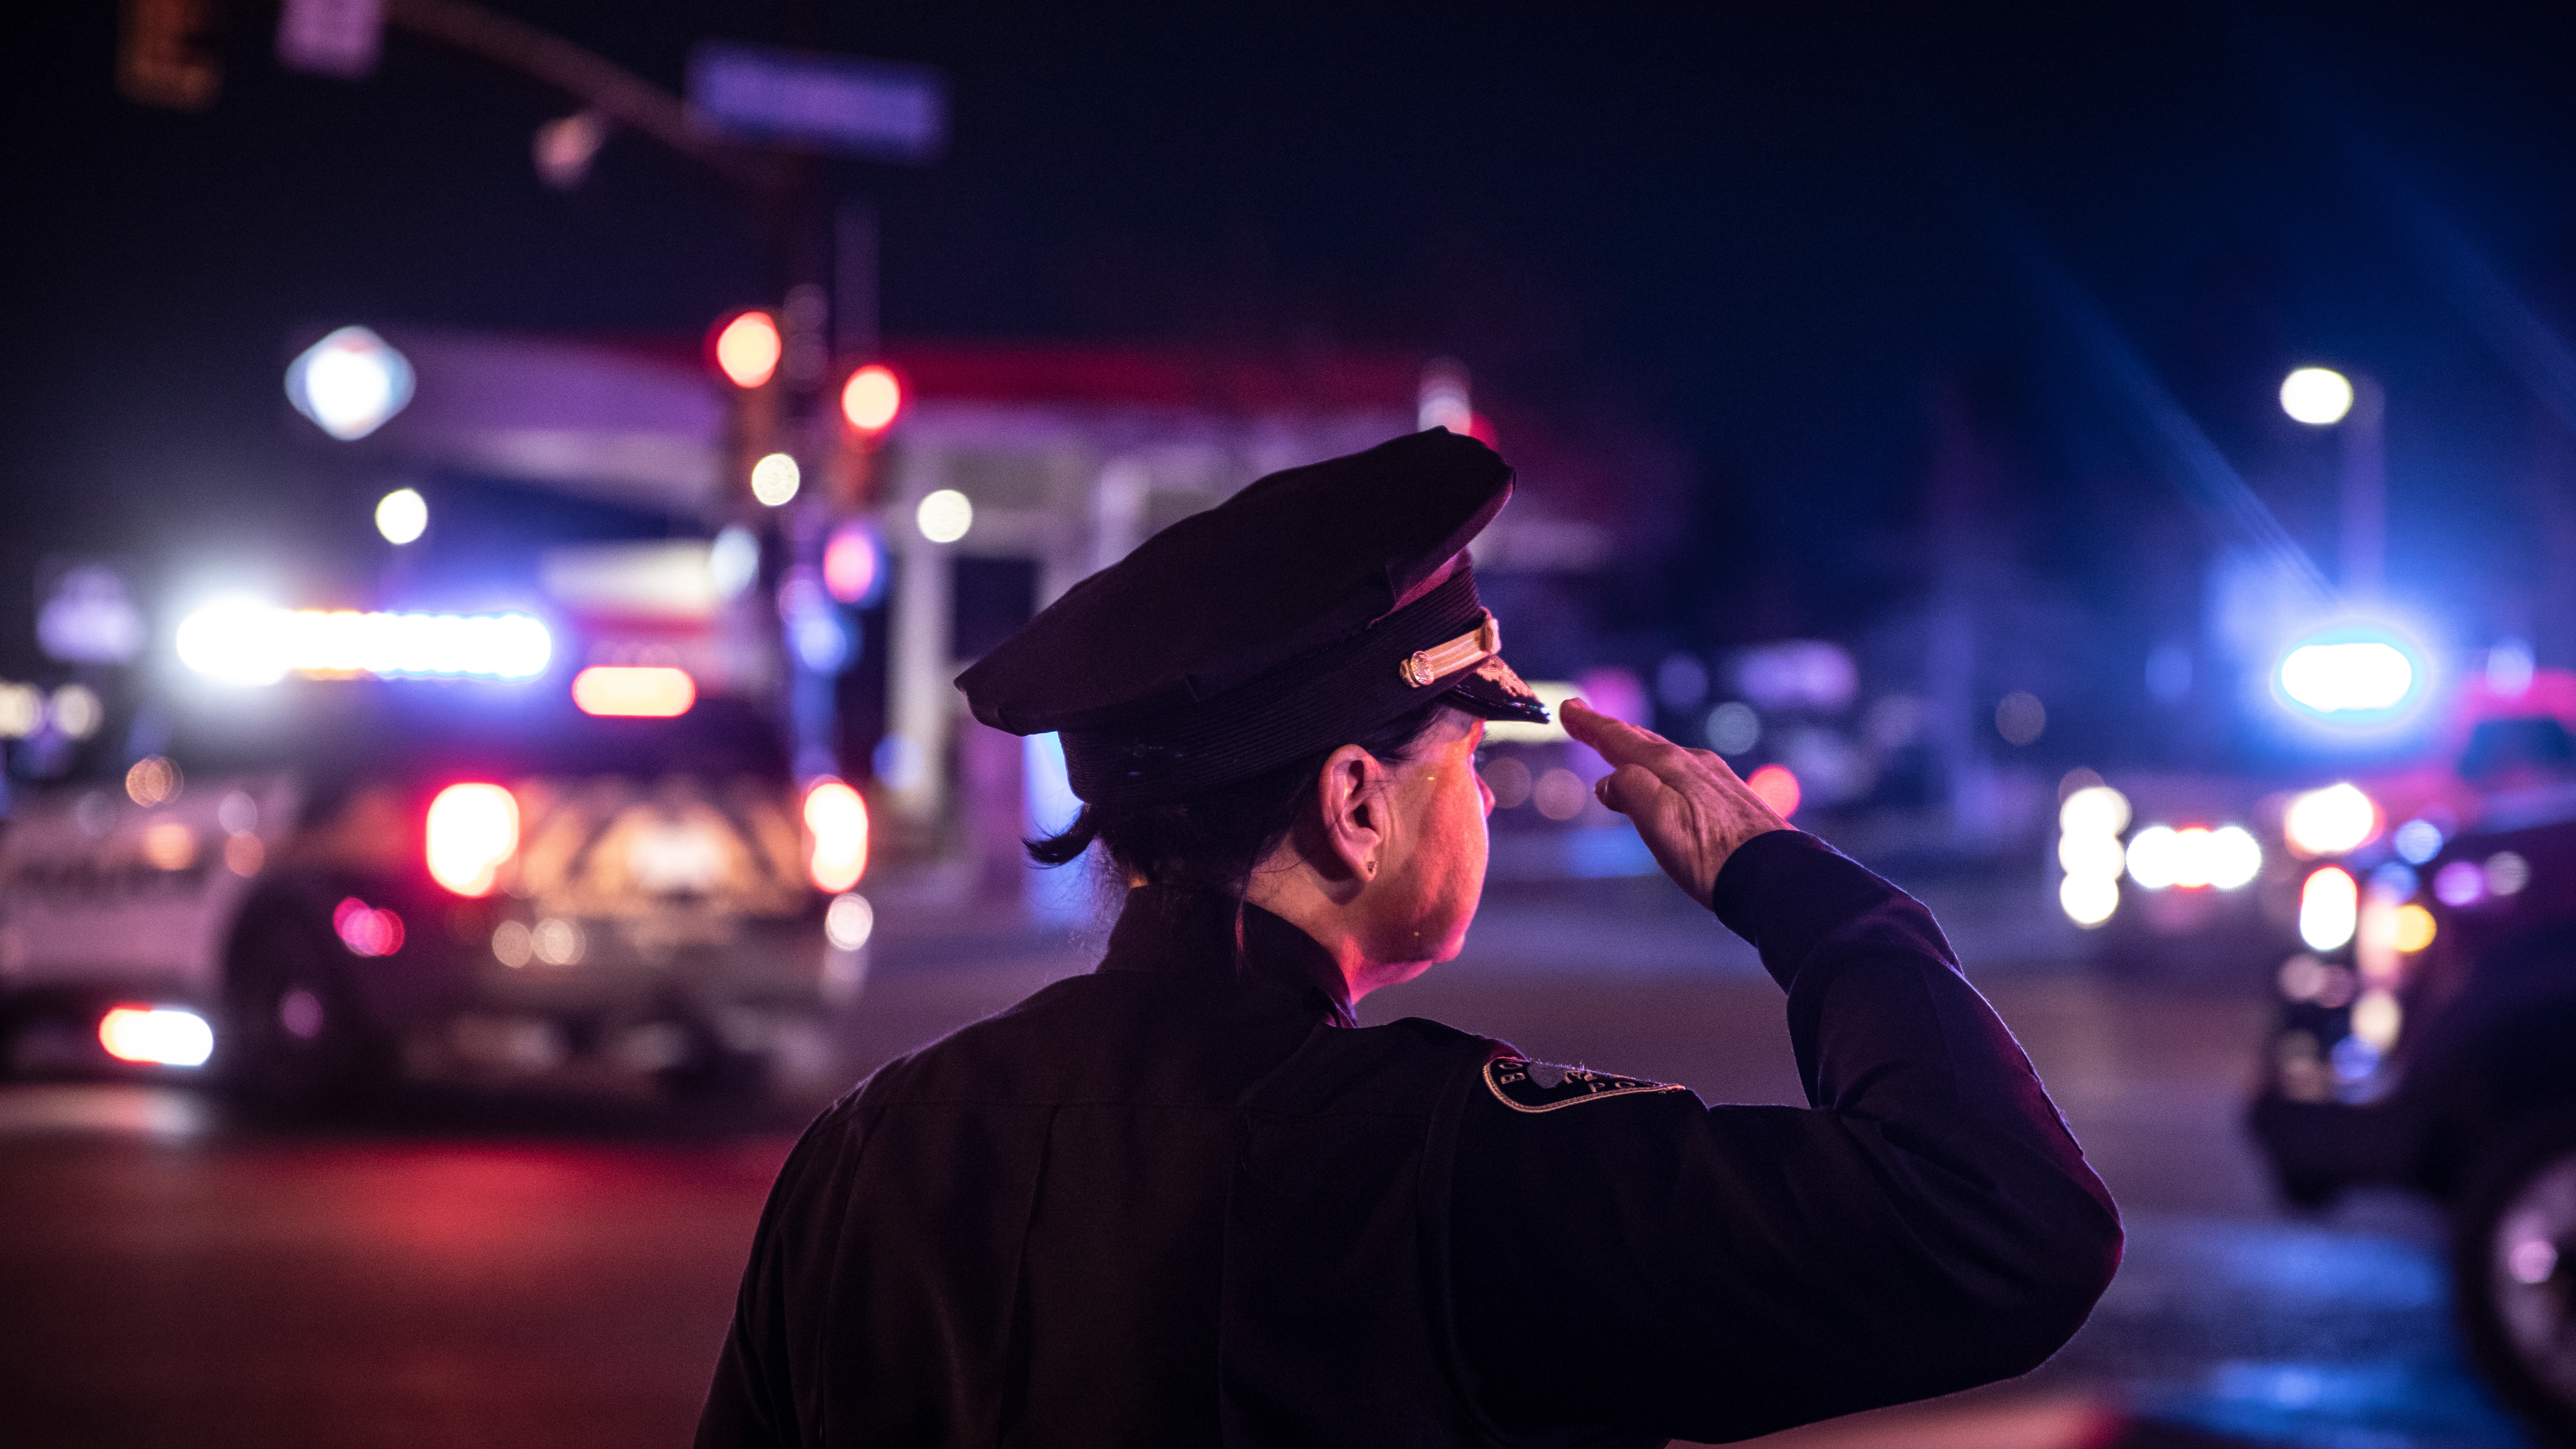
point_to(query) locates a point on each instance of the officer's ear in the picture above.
(1351, 797)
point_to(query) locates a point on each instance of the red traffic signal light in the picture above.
(746, 348)
(872, 399)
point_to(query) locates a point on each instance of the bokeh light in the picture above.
(872, 399)
(349, 383)
(402, 516)
(945, 516)
(2317, 396)
(775, 479)
(747, 349)
(2332, 821)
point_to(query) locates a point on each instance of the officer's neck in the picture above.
(1357, 921)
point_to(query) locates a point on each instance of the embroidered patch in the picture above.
(1544, 1086)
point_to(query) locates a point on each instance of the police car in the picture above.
(2427, 1031)
(449, 865)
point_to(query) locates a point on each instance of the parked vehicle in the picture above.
(2427, 1035)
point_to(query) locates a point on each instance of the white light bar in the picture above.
(247, 644)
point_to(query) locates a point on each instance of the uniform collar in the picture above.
(1182, 932)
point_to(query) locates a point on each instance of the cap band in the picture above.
(1424, 667)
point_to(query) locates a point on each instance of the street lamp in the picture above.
(2324, 398)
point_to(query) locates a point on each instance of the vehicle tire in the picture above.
(2513, 1268)
(295, 1042)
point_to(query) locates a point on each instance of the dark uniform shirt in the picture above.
(1182, 1201)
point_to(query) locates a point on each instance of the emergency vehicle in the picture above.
(2427, 1030)
(459, 862)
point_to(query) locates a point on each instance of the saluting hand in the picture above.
(1691, 809)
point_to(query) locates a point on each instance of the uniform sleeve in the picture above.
(751, 1403)
(1642, 1261)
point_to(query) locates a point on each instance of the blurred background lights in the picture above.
(1510, 780)
(2329, 908)
(747, 349)
(243, 643)
(2088, 900)
(235, 642)
(1799, 674)
(2348, 677)
(402, 516)
(2507, 873)
(634, 691)
(815, 628)
(162, 1036)
(2094, 810)
(472, 830)
(2020, 718)
(2317, 396)
(2332, 821)
(2417, 841)
(152, 780)
(169, 845)
(1560, 794)
(945, 516)
(851, 565)
(1733, 728)
(89, 617)
(1778, 788)
(849, 921)
(349, 383)
(2460, 884)
(2089, 822)
(837, 819)
(2194, 857)
(22, 710)
(872, 398)
(775, 479)
(2511, 667)
(76, 711)
(1681, 682)
(2415, 928)
(734, 560)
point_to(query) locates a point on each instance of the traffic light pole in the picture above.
(810, 255)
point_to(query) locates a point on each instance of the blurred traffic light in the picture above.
(745, 348)
(872, 399)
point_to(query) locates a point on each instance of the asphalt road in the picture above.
(551, 1270)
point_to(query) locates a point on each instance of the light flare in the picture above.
(473, 830)
(160, 1036)
(836, 816)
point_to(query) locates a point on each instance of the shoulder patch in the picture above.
(1527, 1086)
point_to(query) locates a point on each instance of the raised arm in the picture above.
(1642, 1261)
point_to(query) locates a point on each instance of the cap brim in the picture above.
(1492, 690)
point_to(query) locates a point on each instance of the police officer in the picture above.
(1186, 1199)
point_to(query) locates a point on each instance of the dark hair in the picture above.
(1212, 841)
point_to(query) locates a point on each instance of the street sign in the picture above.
(331, 37)
(872, 108)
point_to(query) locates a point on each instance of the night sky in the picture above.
(1770, 236)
